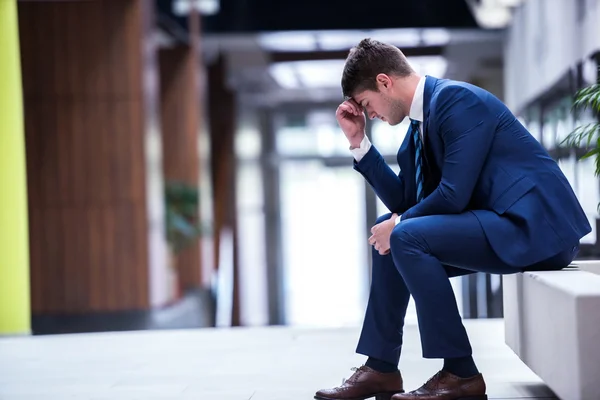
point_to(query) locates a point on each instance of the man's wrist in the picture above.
(357, 145)
(360, 151)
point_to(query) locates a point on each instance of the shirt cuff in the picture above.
(397, 221)
(363, 149)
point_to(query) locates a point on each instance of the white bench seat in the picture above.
(552, 323)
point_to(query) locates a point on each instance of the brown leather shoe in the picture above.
(446, 386)
(363, 384)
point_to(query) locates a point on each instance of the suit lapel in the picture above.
(406, 162)
(431, 173)
(430, 83)
(429, 86)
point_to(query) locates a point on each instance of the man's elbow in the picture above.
(455, 202)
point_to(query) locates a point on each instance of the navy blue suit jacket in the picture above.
(478, 157)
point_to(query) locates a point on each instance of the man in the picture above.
(476, 192)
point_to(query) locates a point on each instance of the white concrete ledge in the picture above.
(592, 266)
(552, 323)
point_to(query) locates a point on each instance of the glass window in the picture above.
(564, 126)
(317, 135)
(251, 231)
(325, 261)
(248, 143)
(388, 138)
(549, 133)
(587, 193)
(585, 117)
(331, 141)
(296, 141)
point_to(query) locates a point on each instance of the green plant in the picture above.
(181, 215)
(587, 136)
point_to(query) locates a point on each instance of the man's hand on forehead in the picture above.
(354, 101)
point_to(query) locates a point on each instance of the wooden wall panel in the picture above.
(85, 126)
(180, 109)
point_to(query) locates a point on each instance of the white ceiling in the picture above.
(467, 53)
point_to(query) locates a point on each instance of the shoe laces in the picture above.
(434, 381)
(357, 372)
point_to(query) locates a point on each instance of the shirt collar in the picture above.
(416, 107)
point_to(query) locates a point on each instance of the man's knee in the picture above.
(383, 218)
(407, 237)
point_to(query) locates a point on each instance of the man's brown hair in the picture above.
(369, 59)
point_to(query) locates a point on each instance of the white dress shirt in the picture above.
(416, 113)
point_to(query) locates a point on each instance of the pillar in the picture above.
(223, 120)
(14, 247)
(93, 156)
(180, 125)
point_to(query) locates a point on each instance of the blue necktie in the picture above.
(414, 131)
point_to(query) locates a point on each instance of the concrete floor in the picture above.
(230, 364)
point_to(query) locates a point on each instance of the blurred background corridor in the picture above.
(171, 164)
(184, 165)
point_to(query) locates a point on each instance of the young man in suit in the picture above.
(476, 192)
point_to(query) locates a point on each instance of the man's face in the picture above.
(381, 105)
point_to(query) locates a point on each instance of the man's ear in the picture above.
(384, 83)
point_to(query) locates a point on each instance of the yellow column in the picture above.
(14, 243)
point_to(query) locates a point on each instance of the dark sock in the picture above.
(380, 365)
(463, 367)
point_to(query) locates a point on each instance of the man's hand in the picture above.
(381, 233)
(351, 118)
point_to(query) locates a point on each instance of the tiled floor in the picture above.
(231, 364)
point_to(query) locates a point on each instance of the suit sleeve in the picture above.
(388, 186)
(467, 128)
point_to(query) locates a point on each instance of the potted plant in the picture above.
(588, 135)
(182, 224)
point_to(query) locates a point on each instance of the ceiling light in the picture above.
(493, 14)
(288, 41)
(493, 17)
(509, 3)
(397, 37)
(339, 40)
(204, 7)
(328, 73)
(344, 40)
(435, 37)
(320, 73)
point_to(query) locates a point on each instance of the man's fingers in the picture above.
(350, 107)
(372, 240)
(355, 107)
(355, 104)
(344, 108)
(374, 229)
